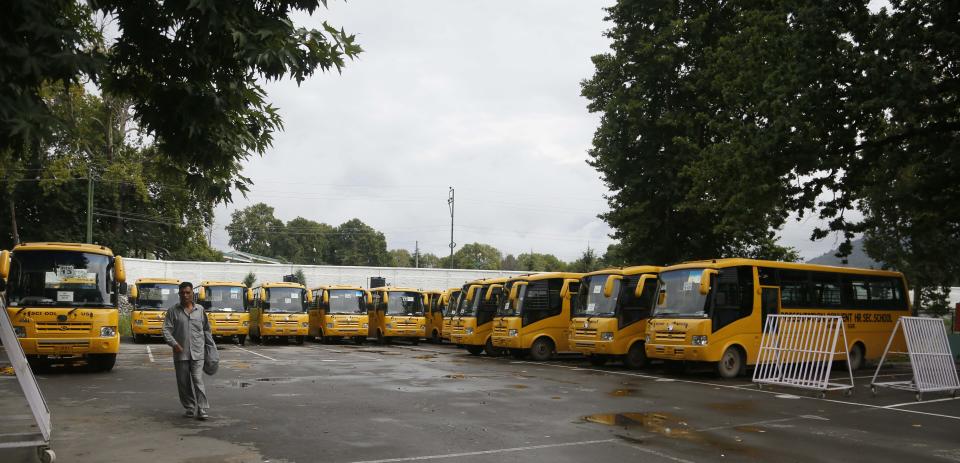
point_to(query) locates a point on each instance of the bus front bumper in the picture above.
(592, 346)
(508, 342)
(404, 332)
(676, 352)
(69, 347)
(347, 332)
(298, 331)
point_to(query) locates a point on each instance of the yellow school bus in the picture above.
(434, 303)
(227, 304)
(472, 327)
(535, 321)
(151, 297)
(280, 312)
(62, 300)
(452, 304)
(339, 312)
(397, 313)
(714, 311)
(610, 315)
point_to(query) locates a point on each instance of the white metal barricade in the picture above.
(798, 351)
(930, 358)
(28, 383)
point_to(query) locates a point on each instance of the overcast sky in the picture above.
(480, 96)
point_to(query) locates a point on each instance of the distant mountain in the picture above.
(857, 258)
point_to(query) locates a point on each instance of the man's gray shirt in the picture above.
(188, 331)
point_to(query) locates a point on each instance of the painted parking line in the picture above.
(654, 452)
(255, 353)
(347, 351)
(492, 452)
(764, 391)
(150, 354)
(945, 399)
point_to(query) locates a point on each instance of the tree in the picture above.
(509, 263)
(357, 243)
(400, 258)
(300, 277)
(587, 262)
(303, 241)
(250, 279)
(477, 256)
(536, 262)
(428, 260)
(253, 228)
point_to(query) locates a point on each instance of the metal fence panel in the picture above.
(28, 383)
(799, 350)
(931, 360)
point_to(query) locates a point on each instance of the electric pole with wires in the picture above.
(452, 244)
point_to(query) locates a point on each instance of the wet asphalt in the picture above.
(349, 403)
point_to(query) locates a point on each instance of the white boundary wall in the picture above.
(194, 272)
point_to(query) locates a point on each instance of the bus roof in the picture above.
(222, 283)
(282, 284)
(733, 262)
(626, 271)
(354, 287)
(548, 276)
(171, 281)
(55, 246)
(395, 288)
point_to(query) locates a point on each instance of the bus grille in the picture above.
(671, 335)
(47, 344)
(347, 323)
(500, 331)
(585, 333)
(286, 322)
(72, 328)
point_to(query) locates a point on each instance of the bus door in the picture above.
(769, 303)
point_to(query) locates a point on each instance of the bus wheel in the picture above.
(381, 339)
(636, 357)
(491, 350)
(137, 339)
(101, 362)
(731, 364)
(597, 360)
(541, 350)
(518, 354)
(855, 357)
(241, 338)
(474, 350)
(415, 341)
(435, 337)
(359, 340)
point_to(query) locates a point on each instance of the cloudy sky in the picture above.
(483, 97)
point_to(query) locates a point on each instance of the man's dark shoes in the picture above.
(189, 413)
(202, 415)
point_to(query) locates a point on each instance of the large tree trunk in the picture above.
(13, 220)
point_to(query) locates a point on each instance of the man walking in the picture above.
(187, 331)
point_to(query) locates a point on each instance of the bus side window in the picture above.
(632, 309)
(732, 296)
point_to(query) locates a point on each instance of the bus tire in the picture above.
(597, 360)
(435, 337)
(732, 363)
(241, 339)
(518, 354)
(491, 350)
(381, 339)
(359, 340)
(298, 340)
(474, 350)
(101, 362)
(137, 338)
(855, 357)
(636, 357)
(415, 341)
(541, 350)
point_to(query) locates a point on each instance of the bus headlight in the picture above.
(267, 324)
(329, 325)
(246, 323)
(647, 339)
(20, 331)
(304, 324)
(366, 325)
(138, 321)
(698, 340)
(108, 331)
(512, 332)
(606, 336)
(469, 331)
(389, 326)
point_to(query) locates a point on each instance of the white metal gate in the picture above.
(28, 383)
(799, 350)
(930, 357)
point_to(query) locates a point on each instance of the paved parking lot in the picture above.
(347, 403)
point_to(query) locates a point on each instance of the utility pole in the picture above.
(452, 244)
(90, 206)
(416, 254)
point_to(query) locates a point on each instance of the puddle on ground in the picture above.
(738, 406)
(275, 380)
(425, 357)
(624, 392)
(557, 398)
(750, 429)
(667, 425)
(518, 386)
(456, 376)
(239, 384)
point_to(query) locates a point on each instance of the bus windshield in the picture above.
(679, 294)
(508, 308)
(285, 300)
(59, 279)
(404, 303)
(453, 304)
(591, 302)
(156, 296)
(469, 308)
(347, 301)
(225, 299)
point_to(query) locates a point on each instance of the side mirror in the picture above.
(326, 296)
(119, 273)
(134, 293)
(640, 284)
(471, 291)
(515, 290)
(369, 298)
(249, 295)
(202, 294)
(705, 280)
(565, 290)
(4, 264)
(608, 286)
(490, 290)
(661, 297)
(263, 294)
(309, 296)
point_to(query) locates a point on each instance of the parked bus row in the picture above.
(63, 301)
